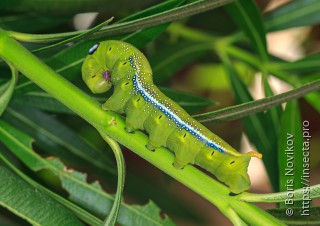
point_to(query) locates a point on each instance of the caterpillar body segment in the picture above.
(119, 64)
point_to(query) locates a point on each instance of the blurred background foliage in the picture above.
(187, 56)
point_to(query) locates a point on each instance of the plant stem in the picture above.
(49, 80)
(111, 124)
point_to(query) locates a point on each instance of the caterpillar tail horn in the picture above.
(255, 154)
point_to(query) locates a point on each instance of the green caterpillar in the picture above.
(168, 125)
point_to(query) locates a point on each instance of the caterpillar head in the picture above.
(95, 73)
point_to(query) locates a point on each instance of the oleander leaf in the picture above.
(243, 13)
(173, 58)
(90, 196)
(52, 134)
(293, 14)
(299, 194)
(6, 90)
(290, 150)
(189, 102)
(307, 64)
(30, 204)
(299, 216)
(251, 107)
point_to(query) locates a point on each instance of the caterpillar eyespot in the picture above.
(93, 48)
(144, 105)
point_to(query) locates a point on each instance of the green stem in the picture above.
(244, 56)
(49, 80)
(111, 124)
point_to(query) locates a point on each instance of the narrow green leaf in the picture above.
(153, 212)
(6, 90)
(158, 8)
(272, 117)
(290, 151)
(81, 36)
(307, 64)
(271, 123)
(173, 14)
(48, 131)
(314, 100)
(40, 100)
(247, 16)
(131, 26)
(19, 143)
(44, 101)
(189, 102)
(22, 22)
(274, 113)
(187, 32)
(298, 216)
(251, 107)
(113, 214)
(293, 14)
(170, 203)
(31, 204)
(90, 196)
(8, 221)
(140, 37)
(62, 7)
(311, 192)
(80, 213)
(172, 58)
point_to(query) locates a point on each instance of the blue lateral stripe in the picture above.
(180, 123)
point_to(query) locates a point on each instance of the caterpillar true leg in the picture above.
(121, 94)
(122, 87)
